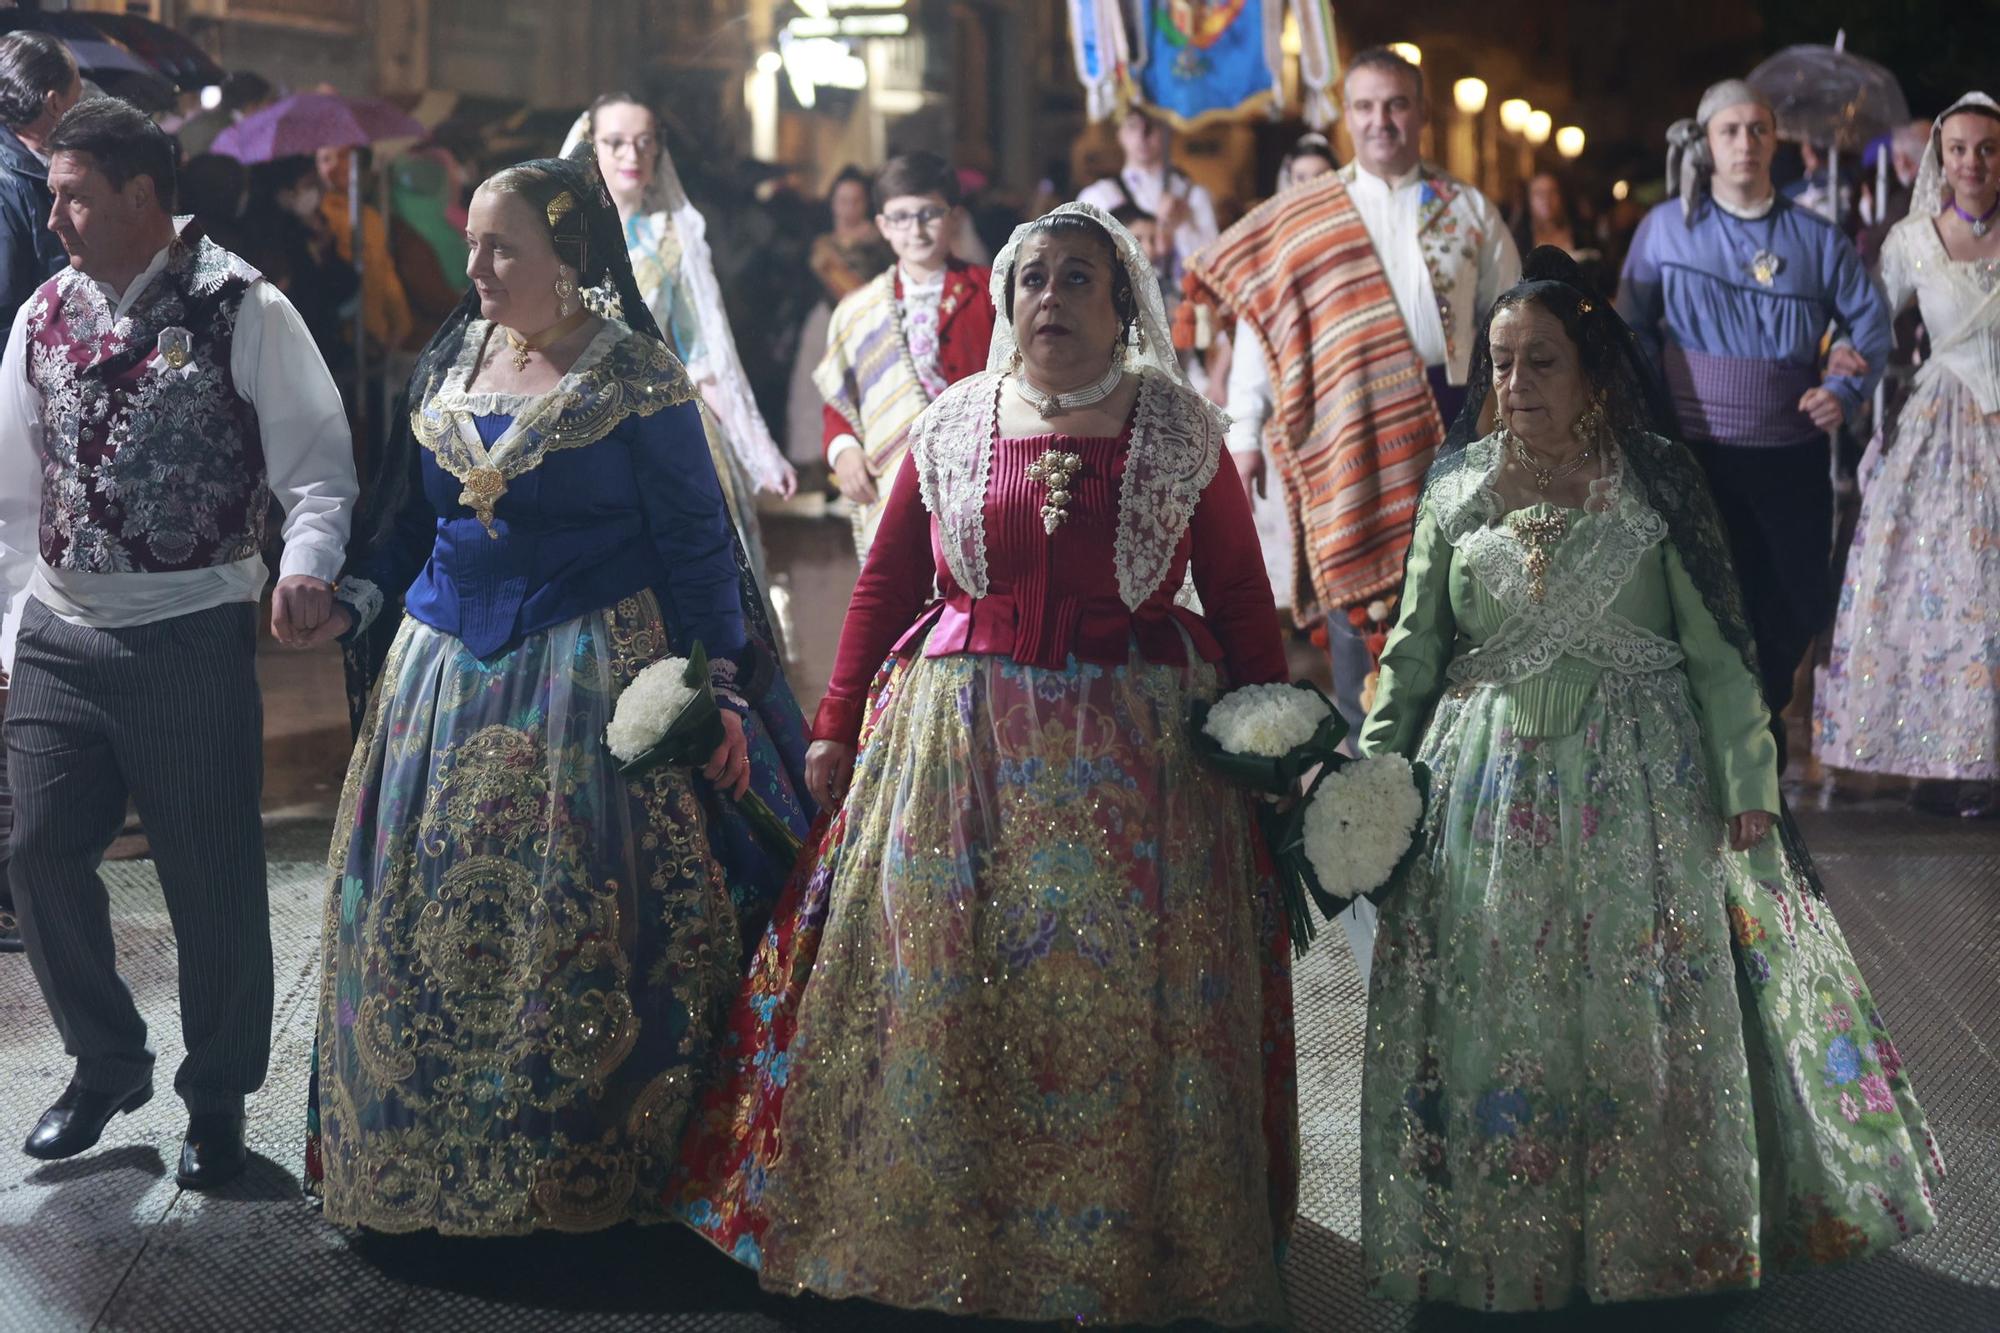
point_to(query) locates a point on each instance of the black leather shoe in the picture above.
(77, 1120)
(212, 1153)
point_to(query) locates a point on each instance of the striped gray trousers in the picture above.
(168, 714)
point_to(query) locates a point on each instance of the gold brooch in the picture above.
(1055, 470)
(1539, 535)
(480, 491)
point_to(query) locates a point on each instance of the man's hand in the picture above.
(1844, 360)
(1824, 408)
(1172, 213)
(851, 474)
(304, 614)
(1250, 467)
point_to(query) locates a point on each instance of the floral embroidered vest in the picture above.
(152, 460)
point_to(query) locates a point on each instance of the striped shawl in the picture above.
(1355, 425)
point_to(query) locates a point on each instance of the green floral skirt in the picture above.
(1605, 1054)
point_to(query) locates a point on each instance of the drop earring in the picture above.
(565, 297)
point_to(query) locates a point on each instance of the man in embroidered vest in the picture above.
(38, 82)
(1364, 290)
(1731, 288)
(904, 338)
(154, 398)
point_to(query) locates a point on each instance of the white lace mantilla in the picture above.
(1574, 618)
(1176, 446)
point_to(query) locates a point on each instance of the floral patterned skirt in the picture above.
(1018, 1040)
(1913, 683)
(1606, 1055)
(526, 955)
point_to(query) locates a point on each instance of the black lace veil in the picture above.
(1639, 416)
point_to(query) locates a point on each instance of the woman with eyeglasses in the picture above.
(667, 241)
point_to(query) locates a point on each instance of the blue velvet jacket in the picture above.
(605, 491)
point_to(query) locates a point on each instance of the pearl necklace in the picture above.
(1054, 404)
(1546, 477)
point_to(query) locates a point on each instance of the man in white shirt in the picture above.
(154, 398)
(1444, 247)
(1356, 445)
(1447, 254)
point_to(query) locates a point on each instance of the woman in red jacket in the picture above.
(1019, 1041)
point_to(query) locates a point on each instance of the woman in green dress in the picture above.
(1617, 1045)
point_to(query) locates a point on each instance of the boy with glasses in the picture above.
(901, 340)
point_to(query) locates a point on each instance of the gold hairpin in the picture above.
(559, 208)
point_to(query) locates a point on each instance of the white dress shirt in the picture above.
(308, 460)
(1392, 211)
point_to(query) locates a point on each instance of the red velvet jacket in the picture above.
(965, 333)
(1053, 595)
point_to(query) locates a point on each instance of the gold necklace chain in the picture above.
(536, 342)
(1545, 477)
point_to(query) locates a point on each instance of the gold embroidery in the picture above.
(621, 374)
(494, 956)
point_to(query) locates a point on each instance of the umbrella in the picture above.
(99, 58)
(188, 66)
(1824, 95)
(304, 123)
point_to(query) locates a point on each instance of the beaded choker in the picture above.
(1054, 404)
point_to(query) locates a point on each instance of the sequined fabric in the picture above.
(1605, 1056)
(526, 956)
(1018, 1041)
(1913, 681)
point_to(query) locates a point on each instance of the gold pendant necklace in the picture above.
(536, 342)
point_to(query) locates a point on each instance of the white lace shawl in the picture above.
(1176, 445)
(1575, 616)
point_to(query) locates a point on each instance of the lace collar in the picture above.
(619, 374)
(1592, 563)
(1175, 448)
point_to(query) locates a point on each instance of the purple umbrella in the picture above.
(301, 125)
(304, 123)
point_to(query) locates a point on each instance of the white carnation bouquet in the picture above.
(669, 715)
(1352, 832)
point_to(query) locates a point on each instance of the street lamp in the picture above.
(1569, 141)
(1540, 125)
(1409, 51)
(1514, 113)
(1469, 95)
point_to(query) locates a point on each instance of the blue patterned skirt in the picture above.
(527, 956)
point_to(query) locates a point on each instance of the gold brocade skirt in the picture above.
(1018, 1041)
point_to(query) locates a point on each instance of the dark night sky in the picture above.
(1629, 67)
